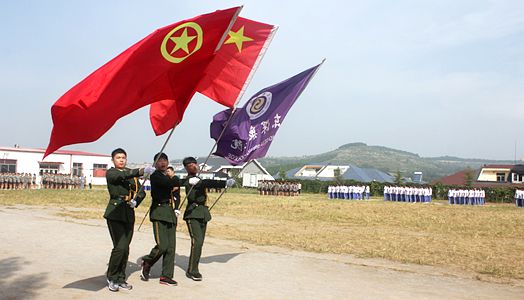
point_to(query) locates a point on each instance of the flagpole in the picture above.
(210, 152)
(217, 199)
(146, 176)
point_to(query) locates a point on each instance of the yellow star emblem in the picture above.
(181, 42)
(238, 38)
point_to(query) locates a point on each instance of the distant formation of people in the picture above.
(62, 181)
(519, 198)
(17, 181)
(466, 197)
(408, 194)
(353, 192)
(279, 188)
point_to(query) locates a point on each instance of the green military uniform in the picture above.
(196, 216)
(164, 220)
(122, 186)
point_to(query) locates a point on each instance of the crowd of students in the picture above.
(279, 188)
(62, 181)
(467, 197)
(353, 192)
(519, 198)
(17, 181)
(408, 194)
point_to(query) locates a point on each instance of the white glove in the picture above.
(230, 182)
(177, 213)
(193, 180)
(149, 170)
(132, 203)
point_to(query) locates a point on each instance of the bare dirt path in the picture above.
(43, 256)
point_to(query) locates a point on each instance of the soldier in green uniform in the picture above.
(122, 184)
(164, 219)
(197, 213)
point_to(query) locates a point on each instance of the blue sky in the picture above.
(430, 77)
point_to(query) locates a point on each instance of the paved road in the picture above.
(43, 256)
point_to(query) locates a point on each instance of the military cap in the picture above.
(160, 155)
(189, 160)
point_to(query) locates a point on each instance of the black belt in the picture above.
(164, 202)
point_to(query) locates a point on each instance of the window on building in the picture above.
(501, 177)
(517, 177)
(49, 168)
(77, 169)
(99, 170)
(7, 165)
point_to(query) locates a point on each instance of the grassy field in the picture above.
(485, 240)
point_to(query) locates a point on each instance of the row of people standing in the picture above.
(408, 194)
(125, 195)
(519, 198)
(352, 192)
(279, 188)
(62, 181)
(467, 197)
(17, 181)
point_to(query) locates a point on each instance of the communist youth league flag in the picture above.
(167, 64)
(248, 133)
(228, 74)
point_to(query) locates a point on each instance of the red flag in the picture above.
(227, 75)
(166, 65)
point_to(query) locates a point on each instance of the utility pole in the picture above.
(515, 157)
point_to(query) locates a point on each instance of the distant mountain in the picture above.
(382, 158)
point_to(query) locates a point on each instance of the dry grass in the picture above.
(486, 240)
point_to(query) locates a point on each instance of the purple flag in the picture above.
(253, 127)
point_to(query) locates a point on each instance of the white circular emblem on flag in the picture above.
(258, 105)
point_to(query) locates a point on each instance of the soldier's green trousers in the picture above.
(121, 235)
(165, 238)
(197, 231)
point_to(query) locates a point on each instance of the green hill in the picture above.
(382, 158)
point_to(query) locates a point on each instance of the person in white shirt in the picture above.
(477, 196)
(367, 192)
(471, 197)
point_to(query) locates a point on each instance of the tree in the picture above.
(282, 174)
(398, 177)
(469, 178)
(338, 175)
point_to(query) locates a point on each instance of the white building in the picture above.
(29, 160)
(217, 167)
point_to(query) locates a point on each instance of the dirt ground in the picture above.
(43, 256)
